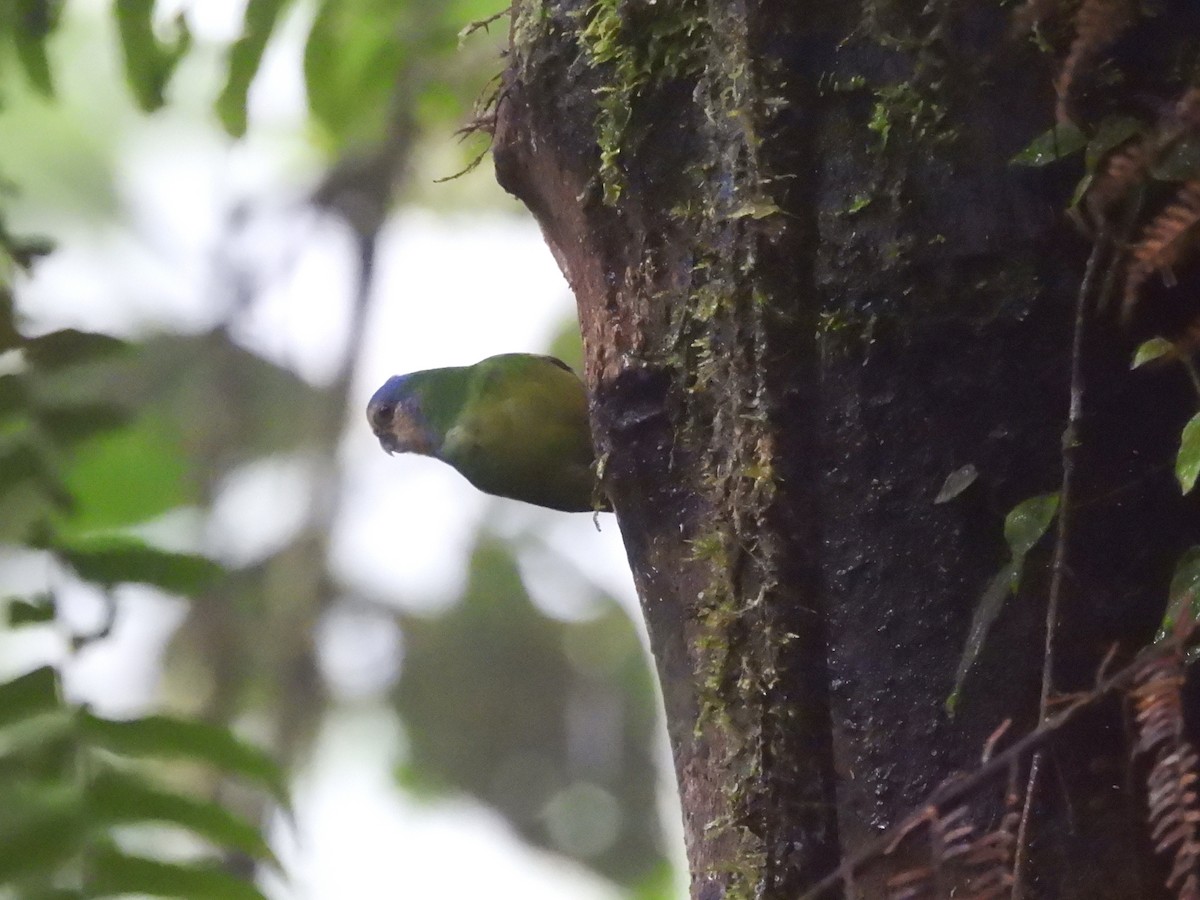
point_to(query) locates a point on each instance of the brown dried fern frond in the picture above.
(989, 859)
(961, 865)
(1174, 810)
(911, 884)
(1129, 165)
(1165, 241)
(1097, 24)
(949, 838)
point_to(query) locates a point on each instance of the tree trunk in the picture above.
(811, 286)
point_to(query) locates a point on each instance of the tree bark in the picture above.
(811, 286)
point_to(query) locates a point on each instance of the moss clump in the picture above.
(906, 107)
(717, 303)
(643, 47)
(530, 19)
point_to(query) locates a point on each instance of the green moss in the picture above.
(530, 20)
(918, 107)
(716, 336)
(860, 202)
(657, 44)
(907, 107)
(834, 321)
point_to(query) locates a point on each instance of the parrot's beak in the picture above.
(389, 443)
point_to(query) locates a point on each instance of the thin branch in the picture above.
(482, 24)
(1020, 856)
(1066, 497)
(1066, 511)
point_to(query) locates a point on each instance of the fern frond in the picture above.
(991, 855)
(1097, 24)
(1173, 808)
(911, 884)
(960, 864)
(1164, 242)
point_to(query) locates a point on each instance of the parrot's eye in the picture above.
(381, 416)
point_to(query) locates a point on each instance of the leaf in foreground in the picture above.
(116, 797)
(1187, 463)
(115, 873)
(166, 737)
(121, 559)
(1024, 526)
(29, 695)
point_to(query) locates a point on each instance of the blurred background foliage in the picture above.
(118, 455)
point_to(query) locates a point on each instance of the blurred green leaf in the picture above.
(1060, 141)
(31, 51)
(1148, 351)
(20, 460)
(115, 873)
(43, 748)
(244, 58)
(14, 395)
(986, 610)
(68, 425)
(25, 514)
(116, 559)
(39, 840)
(226, 390)
(127, 476)
(368, 64)
(1180, 163)
(43, 892)
(351, 62)
(9, 336)
(33, 23)
(1187, 573)
(1027, 522)
(116, 797)
(1110, 134)
(29, 695)
(27, 250)
(149, 63)
(1187, 462)
(37, 611)
(70, 346)
(1023, 528)
(1184, 593)
(171, 738)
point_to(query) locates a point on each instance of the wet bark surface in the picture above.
(927, 329)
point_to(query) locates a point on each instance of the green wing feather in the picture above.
(522, 432)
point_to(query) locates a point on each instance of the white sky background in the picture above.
(449, 290)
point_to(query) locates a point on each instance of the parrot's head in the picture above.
(397, 419)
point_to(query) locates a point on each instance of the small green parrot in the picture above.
(516, 425)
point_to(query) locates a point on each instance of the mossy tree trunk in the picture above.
(811, 286)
